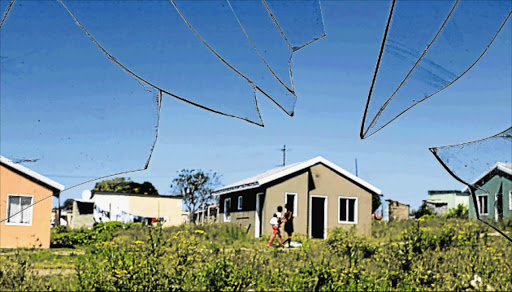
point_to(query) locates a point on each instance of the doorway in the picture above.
(260, 199)
(318, 215)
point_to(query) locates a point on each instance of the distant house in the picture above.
(452, 198)
(437, 207)
(322, 195)
(395, 211)
(82, 214)
(20, 187)
(109, 206)
(495, 201)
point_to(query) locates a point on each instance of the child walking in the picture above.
(275, 231)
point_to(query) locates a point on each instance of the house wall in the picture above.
(327, 182)
(142, 205)
(397, 211)
(275, 196)
(452, 199)
(38, 233)
(492, 187)
(247, 215)
(439, 208)
(113, 203)
(81, 220)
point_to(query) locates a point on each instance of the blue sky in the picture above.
(331, 78)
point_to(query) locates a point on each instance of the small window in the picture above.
(19, 210)
(347, 210)
(227, 210)
(483, 207)
(291, 203)
(240, 200)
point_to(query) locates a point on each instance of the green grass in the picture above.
(431, 254)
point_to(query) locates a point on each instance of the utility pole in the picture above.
(284, 155)
(356, 168)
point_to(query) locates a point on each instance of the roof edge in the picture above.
(31, 173)
(298, 167)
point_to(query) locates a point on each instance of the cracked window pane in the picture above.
(300, 21)
(216, 23)
(58, 91)
(152, 40)
(485, 167)
(5, 9)
(428, 46)
(193, 35)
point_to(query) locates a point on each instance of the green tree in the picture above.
(422, 211)
(125, 185)
(196, 187)
(68, 204)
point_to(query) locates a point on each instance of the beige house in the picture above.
(22, 223)
(130, 207)
(321, 195)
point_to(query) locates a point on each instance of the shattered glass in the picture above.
(73, 81)
(5, 9)
(476, 164)
(427, 46)
(217, 35)
(59, 92)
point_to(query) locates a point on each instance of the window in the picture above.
(15, 205)
(510, 200)
(347, 210)
(291, 202)
(483, 207)
(240, 200)
(227, 210)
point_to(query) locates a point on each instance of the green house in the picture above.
(496, 200)
(453, 198)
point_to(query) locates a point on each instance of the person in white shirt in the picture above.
(275, 231)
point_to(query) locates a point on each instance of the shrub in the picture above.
(422, 211)
(15, 275)
(461, 212)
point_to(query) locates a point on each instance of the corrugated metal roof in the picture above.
(280, 172)
(31, 173)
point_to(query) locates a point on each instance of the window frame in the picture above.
(480, 209)
(355, 210)
(295, 196)
(240, 202)
(226, 217)
(31, 209)
(510, 200)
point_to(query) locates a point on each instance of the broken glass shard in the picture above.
(151, 40)
(67, 111)
(427, 47)
(485, 167)
(301, 22)
(215, 23)
(5, 9)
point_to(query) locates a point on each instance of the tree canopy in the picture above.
(68, 204)
(125, 185)
(196, 187)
